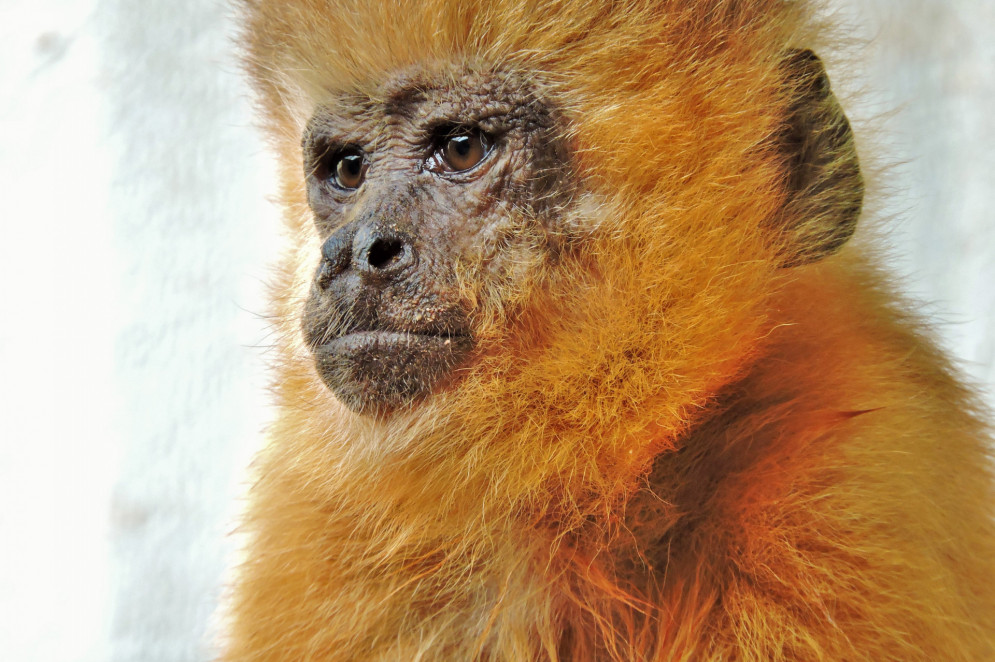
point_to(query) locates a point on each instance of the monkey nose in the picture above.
(374, 252)
(382, 251)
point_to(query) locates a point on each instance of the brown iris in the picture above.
(460, 150)
(350, 169)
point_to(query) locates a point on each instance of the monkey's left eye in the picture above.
(459, 150)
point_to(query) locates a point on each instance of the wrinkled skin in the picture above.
(388, 319)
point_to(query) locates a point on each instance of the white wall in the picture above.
(134, 236)
(929, 90)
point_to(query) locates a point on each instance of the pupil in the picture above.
(353, 164)
(462, 145)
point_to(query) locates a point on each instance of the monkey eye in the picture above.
(346, 168)
(350, 169)
(459, 150)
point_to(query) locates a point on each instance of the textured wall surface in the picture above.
(135, 232)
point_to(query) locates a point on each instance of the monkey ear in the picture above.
(824, 185)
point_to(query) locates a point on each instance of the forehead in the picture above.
(450, 93)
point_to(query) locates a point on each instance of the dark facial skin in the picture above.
(431, 172)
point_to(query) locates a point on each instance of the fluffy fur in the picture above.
(670, 446)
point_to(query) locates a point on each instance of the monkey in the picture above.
(576, 360)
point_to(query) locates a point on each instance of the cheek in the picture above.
(512, 263)
(459, 224)
(499, 237)
(319, 318)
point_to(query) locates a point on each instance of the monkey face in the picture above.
(434, 181)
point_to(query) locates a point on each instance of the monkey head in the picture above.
(579, 199)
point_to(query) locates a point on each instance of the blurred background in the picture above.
(136, 229)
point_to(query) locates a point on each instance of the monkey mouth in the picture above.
(378, 371)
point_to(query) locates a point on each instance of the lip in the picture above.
(378, 371)
(394, 338)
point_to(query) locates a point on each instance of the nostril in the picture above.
(384, 252)
(336, 253)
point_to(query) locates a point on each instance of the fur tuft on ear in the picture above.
(824, 184)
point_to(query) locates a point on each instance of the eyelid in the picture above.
(444, 130)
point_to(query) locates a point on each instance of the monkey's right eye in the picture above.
(345, 168)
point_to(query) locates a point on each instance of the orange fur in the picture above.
(669, 447)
